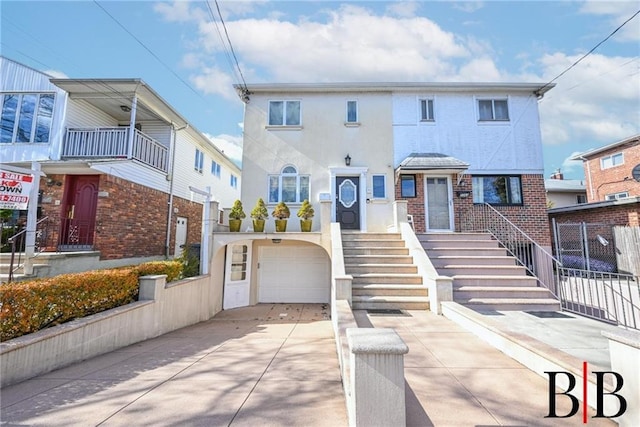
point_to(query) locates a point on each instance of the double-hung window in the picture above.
(407, 186)
(288, 186)
(198, 162)
(352, 112)
(26, 118)
(426, 110)
(284, 113)
(215, 168)
(497, 190)
(493, 110)
(379, 187)
(233, 181)
(611, 161)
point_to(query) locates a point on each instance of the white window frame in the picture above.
(608, 162)
(36, 119)
(346, 119)
(282, 175)
(493, 110)
(233, 181)
(285, 103)
(384, 186)
(216, 169)
(617, 196)
(513, 189)
(430, 112)
(198, 163)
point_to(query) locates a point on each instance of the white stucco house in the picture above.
(119, 163)
(359, 147)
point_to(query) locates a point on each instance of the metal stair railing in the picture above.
(18, 241)
(538, 262)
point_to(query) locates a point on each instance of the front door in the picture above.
(347, 203)
(79, 212)
(237, 280)
(438, 203)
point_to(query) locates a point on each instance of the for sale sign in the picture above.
(14, 190)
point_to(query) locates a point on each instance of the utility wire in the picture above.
(591, 51)
(148, 50)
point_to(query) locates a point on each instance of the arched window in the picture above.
(288, 186)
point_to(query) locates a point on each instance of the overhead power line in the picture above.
(591, 51)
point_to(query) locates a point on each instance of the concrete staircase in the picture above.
(384, 276)
(40, 268)
(484, 276)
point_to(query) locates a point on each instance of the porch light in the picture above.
(125, 108)
(347, 160)
(276, 241)
(463, 194)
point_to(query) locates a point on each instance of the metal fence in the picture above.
(585, 246)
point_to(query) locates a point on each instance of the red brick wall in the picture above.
(130, 218)
(531, 217)
(612, 180)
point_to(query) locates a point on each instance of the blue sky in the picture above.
(176, 48)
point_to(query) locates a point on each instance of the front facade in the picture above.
(359, 147)
(120, 163)
(612, 172)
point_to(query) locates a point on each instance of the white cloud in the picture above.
(56, 74)
(230, 145)
(404, 9)
(618, 11)
(572, 166)
(213, 81)
(468, 6)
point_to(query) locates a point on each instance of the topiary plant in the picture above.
(260, 211)
(306, 210)
(237, 212)
(281, 211)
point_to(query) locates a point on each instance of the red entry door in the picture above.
(79, 221)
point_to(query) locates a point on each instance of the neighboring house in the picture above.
(564, 192)
(443, 147)
(613, 171)
(120, 163)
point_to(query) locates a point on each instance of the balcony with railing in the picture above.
(114, 143)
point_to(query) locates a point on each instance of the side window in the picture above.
(408, 186)
(611, 161)
(233, 181)
(493, 110)
(215, 168)
(198, 162)
(352, 111)
(26, 118)
(284, 113)
(426, 110)
(379, 187)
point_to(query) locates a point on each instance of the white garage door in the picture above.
(293, 274)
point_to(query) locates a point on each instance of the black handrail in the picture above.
(21, 236)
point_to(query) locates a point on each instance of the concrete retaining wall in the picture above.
(161, 308)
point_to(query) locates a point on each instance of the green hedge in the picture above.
(27, 307)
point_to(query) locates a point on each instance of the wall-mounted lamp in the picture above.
(51, 182)
(125, 108)
(276, 241)
(463, 194)
(347, 160)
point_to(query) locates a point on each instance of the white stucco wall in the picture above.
(320, 144)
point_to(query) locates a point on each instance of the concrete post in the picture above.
(624, 349)
(443, 292)
(151, 287)
(376, 377)
(400, 212)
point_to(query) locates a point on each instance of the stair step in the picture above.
(380, 268)
(472, 260)
(513, 304)
(376, 243)
(491, 280)
(479, 270)
(390, 303)
(436, 252)
(354, 236)
(399, 278)
(459, 244)
(374, 251)
(454, 236)
(465, 293)
(389, 290)
(378, 259)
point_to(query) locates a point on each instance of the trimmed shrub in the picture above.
(173, 269)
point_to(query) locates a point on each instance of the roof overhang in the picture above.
(431, 163)
(627, 142)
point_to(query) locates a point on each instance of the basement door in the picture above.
(237, 277)
(438, 203)
(293, 274)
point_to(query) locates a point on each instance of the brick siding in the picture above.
(612, 180)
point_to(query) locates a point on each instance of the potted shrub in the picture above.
(281, 213)
(305, 213)
(259, 213)
(236, 216)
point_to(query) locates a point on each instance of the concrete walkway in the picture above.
(268, 365)
(276, 365)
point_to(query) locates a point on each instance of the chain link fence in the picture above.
(585, 246)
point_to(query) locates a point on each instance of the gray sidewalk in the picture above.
(276, 365)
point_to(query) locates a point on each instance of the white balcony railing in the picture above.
(113, 143)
